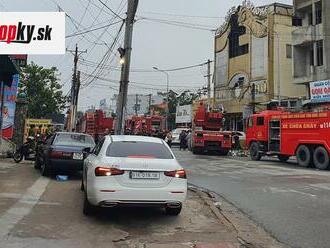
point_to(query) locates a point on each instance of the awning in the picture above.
(7, 69)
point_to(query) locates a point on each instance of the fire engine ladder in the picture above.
(90, 127)
(274, 143)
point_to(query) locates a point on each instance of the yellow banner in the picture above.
(38, 122)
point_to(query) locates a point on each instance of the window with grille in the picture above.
(318, 12)
(288, 51)
(319, 50)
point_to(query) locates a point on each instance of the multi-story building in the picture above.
(253, 49)
(311, 41)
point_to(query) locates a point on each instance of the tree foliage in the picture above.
(184, 98)
(43, 91)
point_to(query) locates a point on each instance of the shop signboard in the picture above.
(320, 91)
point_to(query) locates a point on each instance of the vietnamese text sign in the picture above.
(320, 91)
(32, 32)
(183, 114)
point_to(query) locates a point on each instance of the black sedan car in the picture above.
(63, 152)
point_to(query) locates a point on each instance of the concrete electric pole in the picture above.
(126, 60)
(136, 104)
(74, 89)
(208, 84)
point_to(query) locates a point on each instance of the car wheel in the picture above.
(283, 158)
(255, 151)
(88, 209)
(173, 211)
(304, 156)
(18, 157)
(321, 158)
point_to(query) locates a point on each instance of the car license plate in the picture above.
(144, 175)
(78, 156)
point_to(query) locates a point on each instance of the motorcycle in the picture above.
(26, 151)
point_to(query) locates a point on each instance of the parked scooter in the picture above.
(26, 151)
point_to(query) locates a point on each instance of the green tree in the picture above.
(43, 91)
(184, 98)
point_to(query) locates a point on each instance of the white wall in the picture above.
(221, 67)
(259, 53)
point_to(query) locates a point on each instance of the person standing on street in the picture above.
(169, 138)
(188, 139)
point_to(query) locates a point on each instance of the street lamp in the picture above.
(167, 89)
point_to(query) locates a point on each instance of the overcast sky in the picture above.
(155, 43)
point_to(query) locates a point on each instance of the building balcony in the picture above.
(302, 35)
(303, 79)
(307, 34)
(314, 73)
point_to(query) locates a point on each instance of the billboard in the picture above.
(320, 91)
(183, 114)
(9, 108)
(32, 33)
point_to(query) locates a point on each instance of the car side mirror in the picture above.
(87, 150)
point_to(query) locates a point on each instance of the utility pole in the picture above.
(124, 78)
(74, 88)
(136, 103)
(253, 98)
(208, 84)
(149, 109)
(75, 103)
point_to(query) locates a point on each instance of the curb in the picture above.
(249, 234)
(3, 155)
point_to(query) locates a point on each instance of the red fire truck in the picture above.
(305, 135)
(95, 123)
(207, 134)
(147, 125)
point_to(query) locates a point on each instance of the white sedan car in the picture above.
(133, 171)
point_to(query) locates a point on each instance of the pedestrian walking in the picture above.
(183, 141)
(188, 139)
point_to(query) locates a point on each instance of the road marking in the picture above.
(21, 208)
(10, 195)
(279, 190)
(324, 186)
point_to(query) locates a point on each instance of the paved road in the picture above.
(38, 212)
(291, 203)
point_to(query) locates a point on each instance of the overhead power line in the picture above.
(101, 64)
(94, 29)
(113, 12)
(85, 11)
(92, 63)
(186, 67)
(137, 84)
(180, 24)
(182, 15)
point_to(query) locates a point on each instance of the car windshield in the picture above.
(138, 149)
(67, 139)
